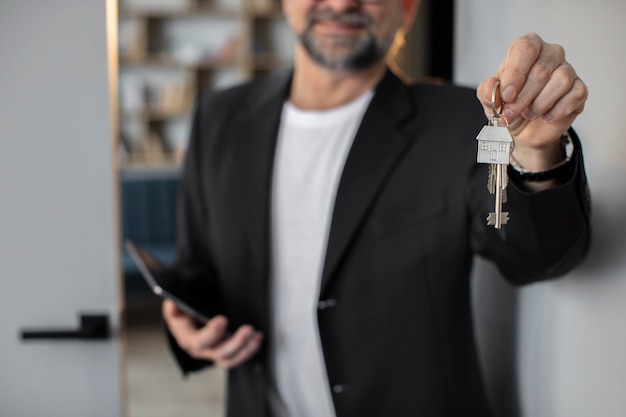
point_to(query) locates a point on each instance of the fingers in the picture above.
(212, 341)
(179, 323)
(536, 82)
(236, 349)
(202, 340)
(527, 66)
(538, 100)
(569, 104)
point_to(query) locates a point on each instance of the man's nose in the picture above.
(343, 5)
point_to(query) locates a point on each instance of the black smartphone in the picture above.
(150, 269)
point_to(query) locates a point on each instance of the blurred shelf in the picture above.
(168, 55)
(193, 9)
(169, 60)
(267, 61)
(151, 169)
(154, 115)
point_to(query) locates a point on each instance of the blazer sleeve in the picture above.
(193, 275)
(548, 233)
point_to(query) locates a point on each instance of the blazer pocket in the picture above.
(409, 214)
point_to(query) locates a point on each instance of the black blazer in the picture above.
(409, 218)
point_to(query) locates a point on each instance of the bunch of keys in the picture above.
(495, 145)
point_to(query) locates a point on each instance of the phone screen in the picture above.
(150, 268)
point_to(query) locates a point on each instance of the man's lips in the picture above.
(338, 28)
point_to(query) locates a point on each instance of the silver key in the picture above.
(491, 182)
(498, 217)
(495, 145)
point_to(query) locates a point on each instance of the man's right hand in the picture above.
(212, 342)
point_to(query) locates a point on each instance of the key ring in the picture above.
(497, 116)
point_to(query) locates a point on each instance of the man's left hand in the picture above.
(542, 96)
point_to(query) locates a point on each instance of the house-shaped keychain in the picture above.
(495, 144)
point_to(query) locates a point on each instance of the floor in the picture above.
(155, 385)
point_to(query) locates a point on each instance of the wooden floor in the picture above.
(155, 386)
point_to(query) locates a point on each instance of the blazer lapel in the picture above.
(256, 131)
(378, 145)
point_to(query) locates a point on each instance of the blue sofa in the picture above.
(148, 210)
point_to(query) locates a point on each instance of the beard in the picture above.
(344, 52)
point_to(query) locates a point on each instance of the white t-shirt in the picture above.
(310, 155)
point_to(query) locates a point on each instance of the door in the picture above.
(58, 214)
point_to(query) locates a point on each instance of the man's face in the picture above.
(345, 34)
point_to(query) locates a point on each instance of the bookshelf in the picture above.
(169, 50)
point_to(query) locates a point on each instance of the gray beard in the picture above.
(359, 55)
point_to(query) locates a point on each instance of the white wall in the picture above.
(58, 213)
(571, 332)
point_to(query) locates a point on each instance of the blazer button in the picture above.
(323, 304)
(339, 388)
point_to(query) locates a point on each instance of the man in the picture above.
(330, 216)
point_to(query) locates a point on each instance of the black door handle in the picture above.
(92, 327)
